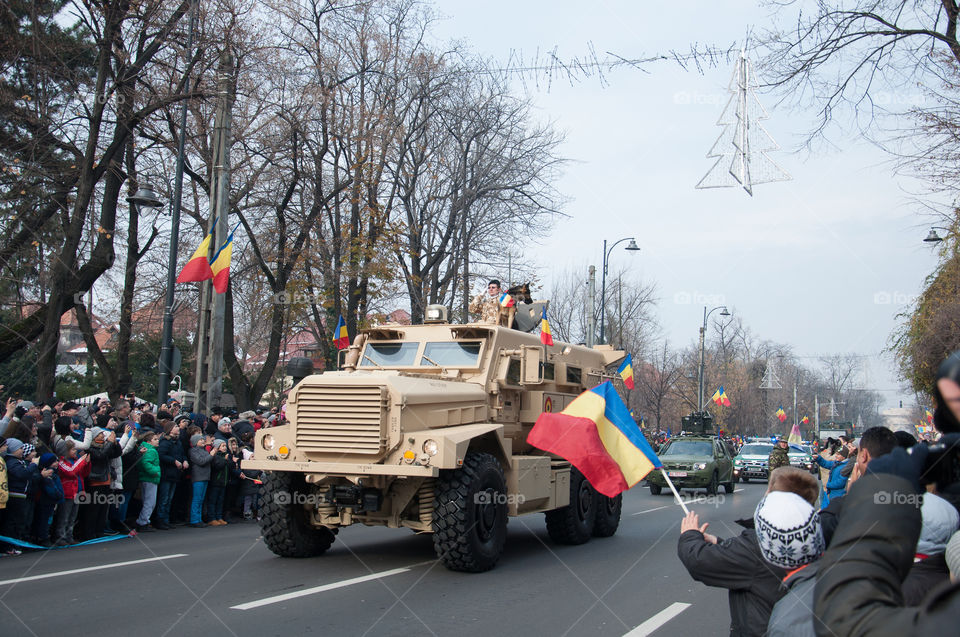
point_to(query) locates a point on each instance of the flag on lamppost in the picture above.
(198, 267)
(781, 414)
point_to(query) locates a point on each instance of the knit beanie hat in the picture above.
(194, 439)
(47, 460)
(28, 449)
(940, 520)
(953, 554)
(63, 447)
(168, 426)
(97, 431)
(13, 444)
(788, 530)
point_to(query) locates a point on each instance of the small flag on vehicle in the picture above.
(340, 337)
(626, 372)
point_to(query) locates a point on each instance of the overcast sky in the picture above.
(823, 262)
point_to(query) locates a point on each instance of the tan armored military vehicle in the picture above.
(425, 428)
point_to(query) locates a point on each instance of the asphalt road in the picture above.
(375, 581)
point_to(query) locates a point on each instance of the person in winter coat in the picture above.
(50, 495)
(249, 478)
(858, 590)
(173, 462)
(940, 521)
(18, 482)
(779, 456)
(124, 477)
(72, 472)
(836, 484)
(788, 531)
(737, 563)
(103, 450)
(200, 461)
(219, 476)
(149, 470)
(4, 488)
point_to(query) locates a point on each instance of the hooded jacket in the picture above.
(72, 474)
(929, 569)
(737, 565)
(149, 465)
(858, 591)
(100, 459)
(200, 461)
(792, 616)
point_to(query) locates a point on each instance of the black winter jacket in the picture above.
(737, 565)
(858, 591)
(100, 457)
(169, 451)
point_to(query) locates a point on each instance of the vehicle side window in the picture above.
(513, 372)
(574, 376)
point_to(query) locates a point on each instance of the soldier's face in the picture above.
(493, 289)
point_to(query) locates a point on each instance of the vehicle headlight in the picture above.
(699, 466)
(267, 442)
(430, 447)
(738, 461)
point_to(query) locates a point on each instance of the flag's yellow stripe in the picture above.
(633, 463)
(223, 259)
(203, 249)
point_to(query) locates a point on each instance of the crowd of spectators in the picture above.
(875, 550)
(71, 473)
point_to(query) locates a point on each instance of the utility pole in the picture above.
(209, 377)
(591, 307)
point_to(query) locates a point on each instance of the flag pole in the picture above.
(675, 494)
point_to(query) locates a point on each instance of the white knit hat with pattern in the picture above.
(788, 530)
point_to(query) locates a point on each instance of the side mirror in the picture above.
(531, 372)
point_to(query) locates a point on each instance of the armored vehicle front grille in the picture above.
(338, 419)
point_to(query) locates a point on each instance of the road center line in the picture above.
(90, 568)
(658, 620)
(318, 589)
(649, 510)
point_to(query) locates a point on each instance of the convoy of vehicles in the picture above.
(425, 428)
(751, 462)
(697, 459)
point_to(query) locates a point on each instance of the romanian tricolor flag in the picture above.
(795, 437)
(340, 337)
(506, 300)
(220, 265)
(626, 372)
(720, 397)
(929, 416)
(597, 435)
(805, 420)
(198, 267)
(781, 414)
(546, 336)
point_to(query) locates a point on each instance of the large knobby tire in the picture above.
(714, 484)
(470, 514)
(608, 515)
(655, 489)
(285, 524)
(573, 524)
(728, 487)
(745, 479)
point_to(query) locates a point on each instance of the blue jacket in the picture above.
(836, 485)
(19, 475)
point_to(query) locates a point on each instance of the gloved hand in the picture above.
(907, 464)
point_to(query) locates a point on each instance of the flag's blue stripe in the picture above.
(618, 414)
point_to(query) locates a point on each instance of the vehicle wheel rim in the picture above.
(584, 500)
(486, 513)
(611, 506)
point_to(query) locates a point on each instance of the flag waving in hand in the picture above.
(597, 435)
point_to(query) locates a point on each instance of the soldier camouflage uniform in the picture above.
(778, 458)
(488, 307)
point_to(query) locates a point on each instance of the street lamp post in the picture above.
(632, 246)
(166, 336)
(703, 331)
(933, 237)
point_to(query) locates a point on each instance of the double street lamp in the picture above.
(633, 247)
(703, 331)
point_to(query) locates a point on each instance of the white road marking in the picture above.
(91, 568)
(276, 599)
(658, 620)
(737, 490)
(649, 510)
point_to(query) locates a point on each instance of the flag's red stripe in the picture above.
(576, 440)
(220, 280)
(195, 270)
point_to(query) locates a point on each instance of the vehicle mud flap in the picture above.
(608, 515)
(285, 523)
(470, 514)
(573, 524)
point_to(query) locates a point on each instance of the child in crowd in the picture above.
(72, 473)
(49, 495)
(200, 461)
(149, 472)
(18, 482)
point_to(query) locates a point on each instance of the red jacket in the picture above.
(71, 475)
